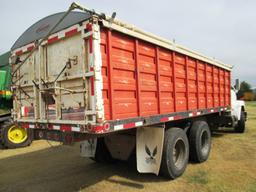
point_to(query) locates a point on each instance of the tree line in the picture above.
(246, 92)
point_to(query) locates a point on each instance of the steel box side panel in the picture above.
(166, 81)
(148, 79)
(105, 74)
(138, 79)
(119, 79)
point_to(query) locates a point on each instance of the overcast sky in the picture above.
(223, 29)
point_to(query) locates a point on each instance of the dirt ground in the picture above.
(52, 167)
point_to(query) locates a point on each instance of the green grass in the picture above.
(252, 188)
(200, 177)
(251, 104)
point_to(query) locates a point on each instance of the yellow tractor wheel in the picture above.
(13, 136)
(17, 134)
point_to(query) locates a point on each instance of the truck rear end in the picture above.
(94, 76)
(55, 87)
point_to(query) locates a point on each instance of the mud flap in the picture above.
(149, 147)
(88, 148)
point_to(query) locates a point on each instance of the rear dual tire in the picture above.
(175, 153)
(199, 141)
(178, 148)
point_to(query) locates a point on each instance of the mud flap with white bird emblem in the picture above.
(88, 148)
(149, 147)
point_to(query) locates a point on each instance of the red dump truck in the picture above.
(86, 77)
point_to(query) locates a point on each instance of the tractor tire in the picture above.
(12, 136)
(199, 141)
(175, 153)
(240, 127)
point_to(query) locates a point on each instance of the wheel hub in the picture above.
(205, 142)
(179, 153)
(17, 134)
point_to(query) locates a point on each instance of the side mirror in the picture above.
(237, 85)
(239, 95)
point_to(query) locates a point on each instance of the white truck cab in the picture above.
(236, 105)
(238, 111)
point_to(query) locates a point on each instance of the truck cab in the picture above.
(238, 111)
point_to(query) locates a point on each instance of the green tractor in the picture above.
(11, 135)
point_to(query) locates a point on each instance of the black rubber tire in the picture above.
(199, 141)
(9, 144)
(172, 167)
(1, 139)
(240, 127)
(102, 154)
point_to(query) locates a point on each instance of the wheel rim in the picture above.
(17, 134)
(179, 151)
(205, 142)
